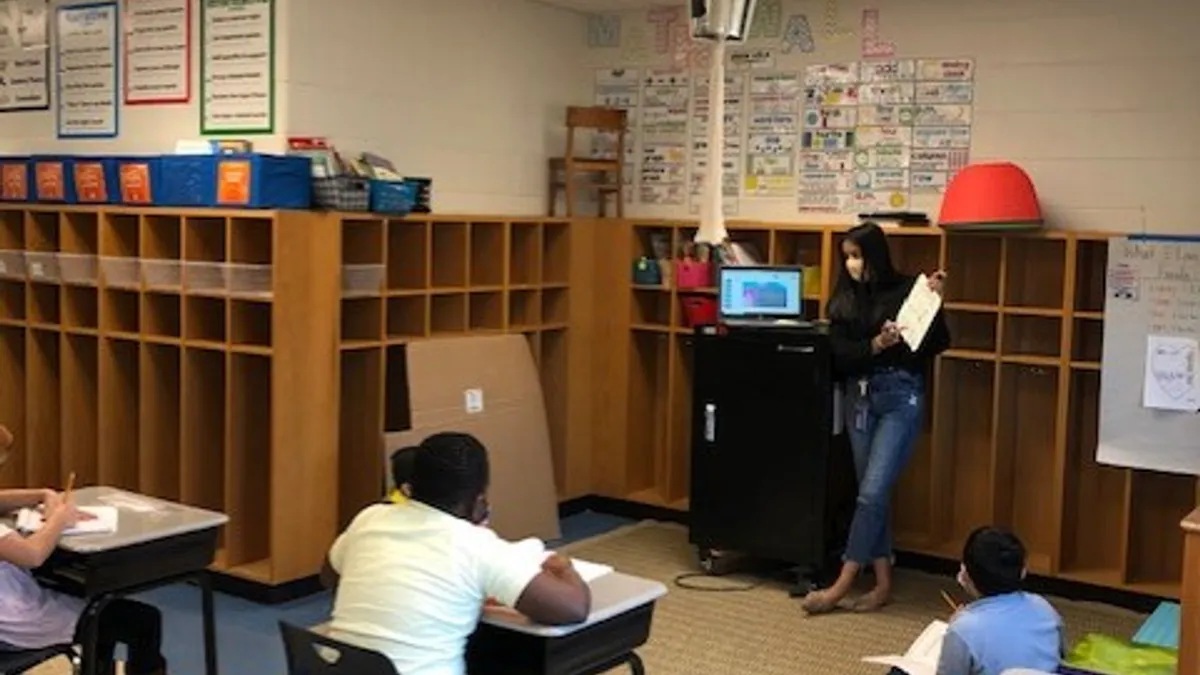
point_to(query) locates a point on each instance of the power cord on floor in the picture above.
(686, 581)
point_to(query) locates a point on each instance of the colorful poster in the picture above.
(664, 173)
(773, 129)
(237, 66)
(24, 55)
(158, 48)
(883, 135)
(731, 163)
(619, 88)
(86, 61)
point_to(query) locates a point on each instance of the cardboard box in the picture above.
(488, 387)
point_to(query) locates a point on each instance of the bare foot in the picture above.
(873, 600)
(821, 602)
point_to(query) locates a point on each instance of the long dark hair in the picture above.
(879, 273)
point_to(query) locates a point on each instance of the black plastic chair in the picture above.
(19, 661)
(311, 654)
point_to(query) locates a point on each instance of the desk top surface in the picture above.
(141, 519)
(612, 594)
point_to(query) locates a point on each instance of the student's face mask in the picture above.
(854, 267)
(962, 579)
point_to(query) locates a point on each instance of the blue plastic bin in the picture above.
(95, 180)
(138, 180)
(53, 179)
(16, 179)
(251, 181)
(393, 197)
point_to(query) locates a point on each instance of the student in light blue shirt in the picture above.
(1004, 627)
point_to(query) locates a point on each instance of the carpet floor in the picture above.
(763, 632)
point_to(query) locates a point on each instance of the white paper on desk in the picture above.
(1171, 378)
(922, 656)
(917, 313)
(588, 571)
(103, 521)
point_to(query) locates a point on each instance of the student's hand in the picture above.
(6, 437)
(64, 511)
(558, 565)
(888, 336)
(937, 281)
(51, 500)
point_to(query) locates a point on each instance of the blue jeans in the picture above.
(884, 412)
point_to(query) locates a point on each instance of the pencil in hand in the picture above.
(70, 485)
(954, 606)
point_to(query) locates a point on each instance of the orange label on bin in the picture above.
(14, 183)
(233, 182)
(49, 177)
(89, 182)
(135, 183)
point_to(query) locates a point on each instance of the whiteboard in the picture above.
(1152, 289)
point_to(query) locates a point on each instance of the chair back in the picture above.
(311, 654)
(22, 660)
(602, 119)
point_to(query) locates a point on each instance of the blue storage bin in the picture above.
(138, 180)
(236, 181)
(393, 197)
(95, 180)
(16, 179)
(53, 179)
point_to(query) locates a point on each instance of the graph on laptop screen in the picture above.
(760, 292)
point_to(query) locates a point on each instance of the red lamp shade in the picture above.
(996, 196)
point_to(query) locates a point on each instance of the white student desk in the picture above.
(507, 643)
(156, 543)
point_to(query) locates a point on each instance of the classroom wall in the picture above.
(145, 128)
(469, 92)
(1094, 98)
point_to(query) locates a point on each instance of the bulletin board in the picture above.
(880, 131)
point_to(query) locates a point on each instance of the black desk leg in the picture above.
(208, 610)
(635, 664)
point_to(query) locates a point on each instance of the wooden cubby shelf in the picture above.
(1014, 406)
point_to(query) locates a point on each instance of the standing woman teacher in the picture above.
(884, 385)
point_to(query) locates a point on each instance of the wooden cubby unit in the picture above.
(448, 314)
(121, 412)
(524, 254)
(145, 385)
(486, 311)
(449, 255)
(556, 253)
(360, 425)
(524, 309)
(486, 254)
(407, 316)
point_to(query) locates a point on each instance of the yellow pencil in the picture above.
(70, 484)
(954, 606)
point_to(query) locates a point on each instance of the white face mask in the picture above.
(962, 578)
(855, 267)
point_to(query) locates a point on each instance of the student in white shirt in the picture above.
(32, 617)
(412, 578)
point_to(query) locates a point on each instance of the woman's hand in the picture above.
(888, 336)
(937, 281)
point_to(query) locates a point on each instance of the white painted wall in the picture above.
(144, 128)
(469, 92)
(1096, 99)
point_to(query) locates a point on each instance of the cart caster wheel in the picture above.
(706, 560)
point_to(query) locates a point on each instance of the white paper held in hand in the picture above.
(917, 313)
(922, 656)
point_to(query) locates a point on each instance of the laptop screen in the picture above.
(766, 292)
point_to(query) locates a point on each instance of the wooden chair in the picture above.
(605, 176)
(309, 653)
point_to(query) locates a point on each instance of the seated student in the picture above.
(1003, 627)
(32, 617)
(402, 466)
(411, 582)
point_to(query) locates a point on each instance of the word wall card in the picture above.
(883, 135)
(731, 163)
(619, 88)
(664, 136)
(773, 129)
